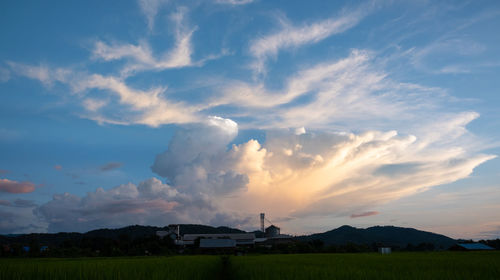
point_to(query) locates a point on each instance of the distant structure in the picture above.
(384, 250)
(239, 239)
(173, 232)
(272, 235)
(222, 242)
(262, 217)
(272, 231)
(217, 243)
(471, 247)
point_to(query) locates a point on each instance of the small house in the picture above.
(471, 247)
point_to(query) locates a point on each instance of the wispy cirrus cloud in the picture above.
(150, 9)
(234, 2)
(148, 107)
(4, 75)
(364, 214)
(110, 166)
(10, 186)
(141, 57)
(43, 73)
(350, 92)
(336, 95)
(293, 36)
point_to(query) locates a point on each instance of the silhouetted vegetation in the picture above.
(142, 240)
(127, 241)
(492, 243)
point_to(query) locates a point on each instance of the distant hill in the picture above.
(133, 232)
(390, 235)
(394, 236)
(197, 229)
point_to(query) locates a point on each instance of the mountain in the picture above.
(390, 235)
(198, 229)
(133, 232)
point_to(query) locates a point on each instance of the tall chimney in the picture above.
(262, 222)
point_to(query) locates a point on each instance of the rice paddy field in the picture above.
(178, 267)
(434, 265)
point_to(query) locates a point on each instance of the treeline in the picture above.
(318, 246)
(494, 243)
(128, 245)
(92, 247)
(153, 245)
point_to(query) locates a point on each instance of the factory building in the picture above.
(240, 239)
(269, 236)
(272, 231)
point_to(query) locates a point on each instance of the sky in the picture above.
(318, 113)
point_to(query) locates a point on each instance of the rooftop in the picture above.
(475, 246)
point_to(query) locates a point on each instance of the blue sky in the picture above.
(319, 114)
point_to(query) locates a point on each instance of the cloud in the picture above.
(234, 2)
(147, 107)
(151, 202)
(93, 105)
(123, 205)
(129, 105)
(110, 166)
(491, 234)
(140, 57)
(364, 214)
(291, 36)
(351, 92)
(337, 174)
(150, 9)
(58, 167)
(20, 221)
(293, 175)
(43, 73)
(4, 75)
(9, 186)
(21, 203)
(199, 169)
(3, 171)
(318, 173)
(196, 159)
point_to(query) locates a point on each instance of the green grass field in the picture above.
(434, 265)
(178, 267)
(443, 265)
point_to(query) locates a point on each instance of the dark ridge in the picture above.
(132, 232)
(197, 229)
(390, 235)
